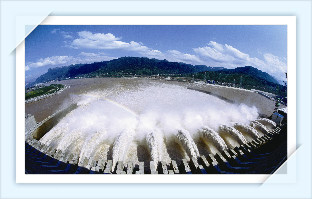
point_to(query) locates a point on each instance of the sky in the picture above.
(230, 46)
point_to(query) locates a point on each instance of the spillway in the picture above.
(154, 122)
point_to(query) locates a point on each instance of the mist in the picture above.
(111, 123)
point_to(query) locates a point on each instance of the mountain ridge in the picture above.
(146, 67)
(123, 65)
(253, 72)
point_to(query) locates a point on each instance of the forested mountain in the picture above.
(246, 77)
(123, 66)
(249, 70)
(69, 71)
(146, 66)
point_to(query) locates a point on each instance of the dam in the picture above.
(152, 127)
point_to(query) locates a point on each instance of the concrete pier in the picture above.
(153, 168)
(108, 167)
(186, 167)
(194, 166)
(129, 168)
(140, 168)
(175, 167)
(164, 169)
(120, 167)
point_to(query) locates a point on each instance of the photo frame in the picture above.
(158, 20)
(20, 18)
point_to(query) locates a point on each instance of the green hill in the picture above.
(246, 77)
(249, 70)
(123, 66)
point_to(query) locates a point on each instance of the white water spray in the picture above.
(214, 137)
(267, 122)
(248, 129)
(188, 143)
(108, 123)
(260, 127)
(121, 146)
(230, 131)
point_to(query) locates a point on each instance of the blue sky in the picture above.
(261, 46)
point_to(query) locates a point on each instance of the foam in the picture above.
(148, 113)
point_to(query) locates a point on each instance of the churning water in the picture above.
(153, 121)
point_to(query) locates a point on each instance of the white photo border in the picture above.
(290, 21)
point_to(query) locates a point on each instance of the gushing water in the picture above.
(214, 137)
(155, 140)
(266, 121)
(188, 143)
(121, 146)
(248, 129)
(232, 132)
(110, 123)
(260, 127)
(153, 146)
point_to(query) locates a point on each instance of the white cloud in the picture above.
(92, 57)
(108, 41)
(215, 54)
(102, 41)
(88, 54)
(55, 30)
(177, 56)
(154, 54)
(83, 58)
(274, 60)
(274, 65)
(221, 53)
(65, 34)
(235, 52)
(218, 47)
(54, 60)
